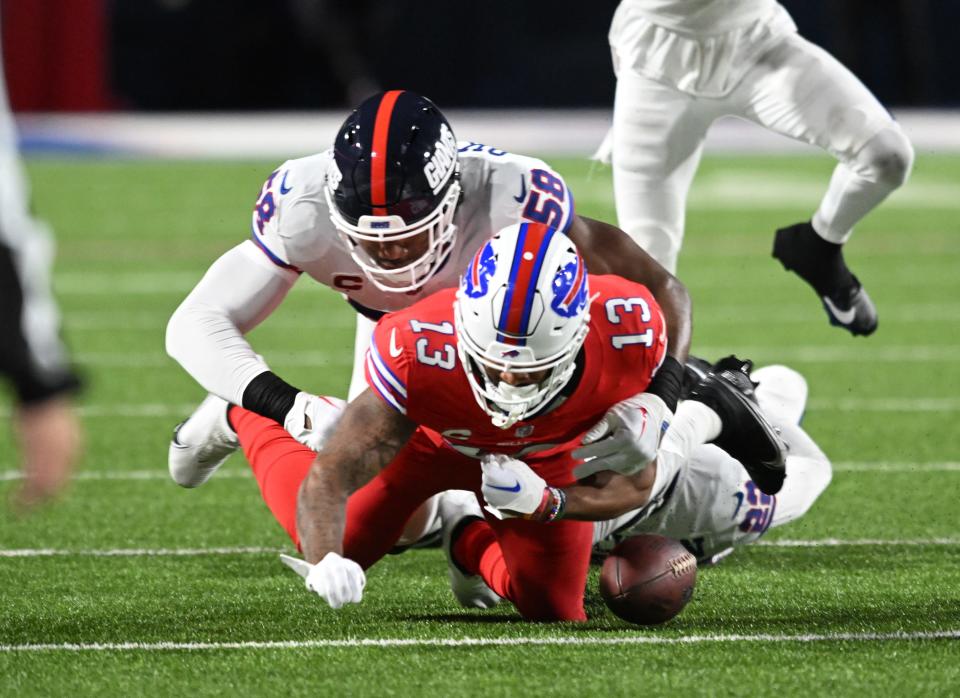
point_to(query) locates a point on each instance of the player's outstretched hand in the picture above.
(626, 439)
(510, 487)
(312, 418)
(337, 580)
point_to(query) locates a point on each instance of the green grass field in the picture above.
(133, 586)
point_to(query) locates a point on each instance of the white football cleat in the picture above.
(781, 393)
(470, 589)
(201, 443)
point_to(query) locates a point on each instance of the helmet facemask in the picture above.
(437, 226)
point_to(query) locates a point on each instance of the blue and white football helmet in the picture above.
(523, 306)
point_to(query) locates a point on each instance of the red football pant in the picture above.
(541, 568)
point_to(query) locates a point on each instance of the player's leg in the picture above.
(658, 135)
(424, 525)
(33, 359)
(541, 568)
(801, 91)
(714, 504)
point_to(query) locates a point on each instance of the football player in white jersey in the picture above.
(682, 64)
(389, 215)
(705, 499)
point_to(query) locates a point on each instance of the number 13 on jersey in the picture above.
(617, 308)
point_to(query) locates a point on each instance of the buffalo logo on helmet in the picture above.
(570, 289)
(476, 280)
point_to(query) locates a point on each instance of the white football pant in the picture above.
(796, 89)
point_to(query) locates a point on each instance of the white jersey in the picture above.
(293, 235)
(291, 221)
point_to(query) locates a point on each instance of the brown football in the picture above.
(648, 579)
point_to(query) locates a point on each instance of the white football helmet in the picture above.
(523, 307)
(395, 176)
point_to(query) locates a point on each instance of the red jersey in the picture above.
(413, 365)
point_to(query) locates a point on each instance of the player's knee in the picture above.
(888, 156)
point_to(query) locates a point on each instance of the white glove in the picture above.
(337, 580)
(312, 418)
(510, 487)
(626, 439)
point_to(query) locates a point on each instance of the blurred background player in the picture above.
(32, 356)
(682, 64)
(705, 499)
(389, 215)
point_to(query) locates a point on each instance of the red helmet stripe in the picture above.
(378, 155)
(528, 260)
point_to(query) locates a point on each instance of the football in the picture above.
(648, 579)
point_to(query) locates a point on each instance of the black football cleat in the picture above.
(695, 370)
(820, 263)
(852, 309)
(746, 434)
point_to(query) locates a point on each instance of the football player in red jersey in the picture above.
(522, 360)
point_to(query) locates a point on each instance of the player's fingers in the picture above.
(598, 449)
(587, 469)
(597, 431)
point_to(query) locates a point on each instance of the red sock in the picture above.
(478, 552)
(279, 462)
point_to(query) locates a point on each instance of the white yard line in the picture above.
(576, 641)
(139, 552)
(159, 474)
(858, 542)
(259, 550)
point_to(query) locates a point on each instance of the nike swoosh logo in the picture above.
(515, 488)
(843, 316)
(283, 183)
(395, 351)
(523, 190)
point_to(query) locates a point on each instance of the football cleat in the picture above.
(820, 263)
(202, 443)
(746, 434)
(695, 370)
(852, 309)
(456, 508)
